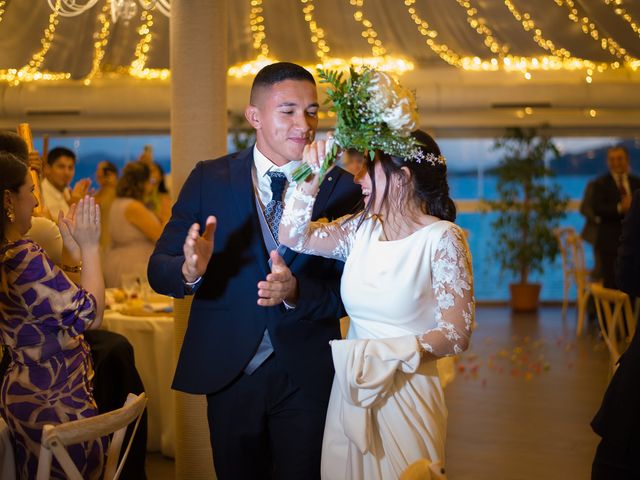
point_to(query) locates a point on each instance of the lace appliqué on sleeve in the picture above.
(330, 240)
(453, 288)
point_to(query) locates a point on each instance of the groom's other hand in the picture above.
(198, 249)
(279, 286)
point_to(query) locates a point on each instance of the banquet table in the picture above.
(7, 462)
(152, 338)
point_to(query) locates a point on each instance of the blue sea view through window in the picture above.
(469, 160)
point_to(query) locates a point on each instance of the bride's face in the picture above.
(365, 181)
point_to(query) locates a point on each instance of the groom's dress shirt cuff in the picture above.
(191, 287)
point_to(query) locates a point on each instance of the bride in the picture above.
(408, 289)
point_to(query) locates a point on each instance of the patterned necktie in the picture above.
(273, 209)
(621, 186)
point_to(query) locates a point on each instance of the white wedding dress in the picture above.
(404, 298)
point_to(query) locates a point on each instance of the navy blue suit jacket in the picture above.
(226, 324)
(618, 419)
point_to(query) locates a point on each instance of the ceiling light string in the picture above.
(3, 3)
(369, 33)
(590, 29)
(480, 26)
(562, 54)
(100, 41)
(317, 34)
(622, 13)
(31, 71)
(259, 36)
(138, 67)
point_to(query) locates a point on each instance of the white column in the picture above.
(198, 131)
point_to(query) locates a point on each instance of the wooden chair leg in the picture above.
(44, 464)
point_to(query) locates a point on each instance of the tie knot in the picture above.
(278, 181)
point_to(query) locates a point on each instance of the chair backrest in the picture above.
(423, 469)
(615, 318)
(577, 261)
(55, 438)
(562, 235)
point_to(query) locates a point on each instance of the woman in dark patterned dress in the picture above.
(42, 316)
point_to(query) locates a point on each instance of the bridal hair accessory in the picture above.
(373, 112)
(433, 159)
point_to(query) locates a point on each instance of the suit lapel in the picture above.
(241, 183)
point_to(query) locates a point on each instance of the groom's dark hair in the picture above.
(276, 73)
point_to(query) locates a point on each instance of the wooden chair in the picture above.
(55, 439)
(581, 278)
(615, 318)
(563, 235)
(423, 469)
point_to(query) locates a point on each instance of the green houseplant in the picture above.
(529, 206)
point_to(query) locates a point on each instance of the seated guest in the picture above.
(59, 171)
(112, 354)
(42, 317)
(159, 200)
(107, 179)
(133, 228)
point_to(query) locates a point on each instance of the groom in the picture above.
(257, 342)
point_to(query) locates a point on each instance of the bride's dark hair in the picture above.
(430, 189)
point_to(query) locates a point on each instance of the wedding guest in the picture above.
(42, 317)
(612, 194)
(158, 200)
(106, 178)
(618, 419)
(257, 340)
(59, 171)
(133, 228)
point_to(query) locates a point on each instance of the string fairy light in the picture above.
(377, 49)
(589, 28)
(31, 71)
(2, 8)
(259, 35)
(138, 66)
(622, 13)
(568, 60)
(100, 40)
(317, 33)
(480, 26)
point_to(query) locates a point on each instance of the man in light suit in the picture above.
(257, 341)
(611, 200)
(618, 419)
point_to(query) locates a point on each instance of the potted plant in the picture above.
(529, 207)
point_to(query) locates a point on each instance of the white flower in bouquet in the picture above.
(394, 104)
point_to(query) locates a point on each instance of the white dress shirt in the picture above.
(54, 199)
(262, 182)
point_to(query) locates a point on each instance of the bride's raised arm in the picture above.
(299, 233)
(452, 280)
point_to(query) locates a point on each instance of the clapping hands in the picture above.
(198, 249)
(80, 228)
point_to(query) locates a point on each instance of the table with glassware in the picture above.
(148, 325)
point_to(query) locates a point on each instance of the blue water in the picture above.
(490, 283)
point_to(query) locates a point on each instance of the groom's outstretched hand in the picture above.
(280, 285)
(198, 249)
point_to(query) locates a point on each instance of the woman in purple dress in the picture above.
(43, 314)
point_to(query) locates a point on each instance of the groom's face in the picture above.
(285, 116)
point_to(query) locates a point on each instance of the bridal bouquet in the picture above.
(373, 111)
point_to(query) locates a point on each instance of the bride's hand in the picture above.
(314, 155)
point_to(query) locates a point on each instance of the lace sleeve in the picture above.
(296, 231)
(453, 289)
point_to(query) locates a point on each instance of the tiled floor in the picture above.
(522, 401)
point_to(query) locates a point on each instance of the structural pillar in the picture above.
(198, 30)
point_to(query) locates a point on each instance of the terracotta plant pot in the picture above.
(524, 296)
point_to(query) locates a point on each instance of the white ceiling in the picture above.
(452, 101)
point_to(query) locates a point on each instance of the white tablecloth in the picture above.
(153, 345)
(7, 462)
